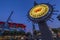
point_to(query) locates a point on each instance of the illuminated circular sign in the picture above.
(39, 11)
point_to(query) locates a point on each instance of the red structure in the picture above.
(16, 25)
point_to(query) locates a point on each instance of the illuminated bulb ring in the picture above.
(39, 11)
(44, 17)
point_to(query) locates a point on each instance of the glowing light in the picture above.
(39, 11)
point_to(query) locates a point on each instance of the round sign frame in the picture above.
(43, 18)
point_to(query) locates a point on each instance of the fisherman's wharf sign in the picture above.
(39, 11)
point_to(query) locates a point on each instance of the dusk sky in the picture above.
(21, 8)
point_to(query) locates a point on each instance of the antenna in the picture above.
(10, 16)
(6, 23)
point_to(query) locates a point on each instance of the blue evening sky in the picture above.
(21, 8)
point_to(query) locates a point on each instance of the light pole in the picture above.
(39, 14)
